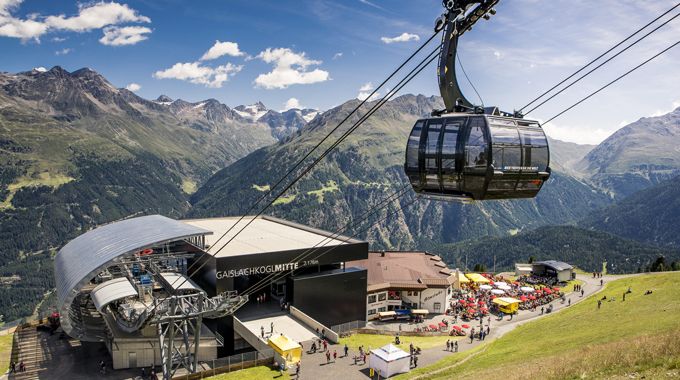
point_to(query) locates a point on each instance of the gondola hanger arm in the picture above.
(459, 17)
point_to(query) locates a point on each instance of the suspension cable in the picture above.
(308, 154)
(602, 64)
(600, 56)
(415, 71)
(612, 82)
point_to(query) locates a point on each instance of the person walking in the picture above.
(271, 327)
(599, 304)
(262, 331)
(415, 362)
(601, 282)
(346, 350)
(448, 345)
(102, 367)
(297, 370)
(488, 329)
(582, 292)
(12, 366)
(542, 310)
(569, 302)
(325, 345)
(328, 357)
(472, 335)
(624, 296)
(455, 346)
(335, 355)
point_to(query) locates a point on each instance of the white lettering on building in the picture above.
(264, 269)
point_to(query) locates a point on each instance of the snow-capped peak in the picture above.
(252, 112)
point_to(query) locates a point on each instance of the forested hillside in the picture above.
(365, 169)
(583, 248)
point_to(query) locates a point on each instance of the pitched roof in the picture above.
(556, 265)
(403, 269)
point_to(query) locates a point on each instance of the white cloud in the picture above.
(59, 39)
(289, 68)
(134, 87)
(498, 55)
(404, 37)
(337, 55)
(194, 72)
(63, 51)
(90, 16)
(579, 135)
(365, 91)
(292, 103)
(222, 48)
(126, 35)
(40, 69)
(96, 16)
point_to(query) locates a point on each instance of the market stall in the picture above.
(389, 360)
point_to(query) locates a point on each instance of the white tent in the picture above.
(485, 287)
(497, 291)
(527, 289)
(389, 360)
(500, 284)
(504, 287)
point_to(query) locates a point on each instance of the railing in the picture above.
(230, 364)
(348, 327)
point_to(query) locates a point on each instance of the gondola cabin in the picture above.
(470, 157)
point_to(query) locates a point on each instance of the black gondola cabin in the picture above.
(476, 157)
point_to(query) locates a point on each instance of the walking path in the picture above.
(314, 366)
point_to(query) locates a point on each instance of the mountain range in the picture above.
(78, 152)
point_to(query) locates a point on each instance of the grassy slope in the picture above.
(260, 372)
(638, 335)
(5, 351)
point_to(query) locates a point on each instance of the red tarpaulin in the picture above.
(466, 326)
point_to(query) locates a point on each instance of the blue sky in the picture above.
(322, 53)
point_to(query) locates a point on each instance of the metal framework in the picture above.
(178, 318)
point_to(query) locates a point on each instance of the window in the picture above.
(371, 312)
(535, 148)
(433, 131)
(437, 307)
(506, 148)
(371, 298)
(475, 149)
(382, 296)
(413, 147)
(380, 310)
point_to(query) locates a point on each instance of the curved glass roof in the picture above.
(84, 257)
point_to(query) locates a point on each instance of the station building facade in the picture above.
(110, 278)
(406, 280)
